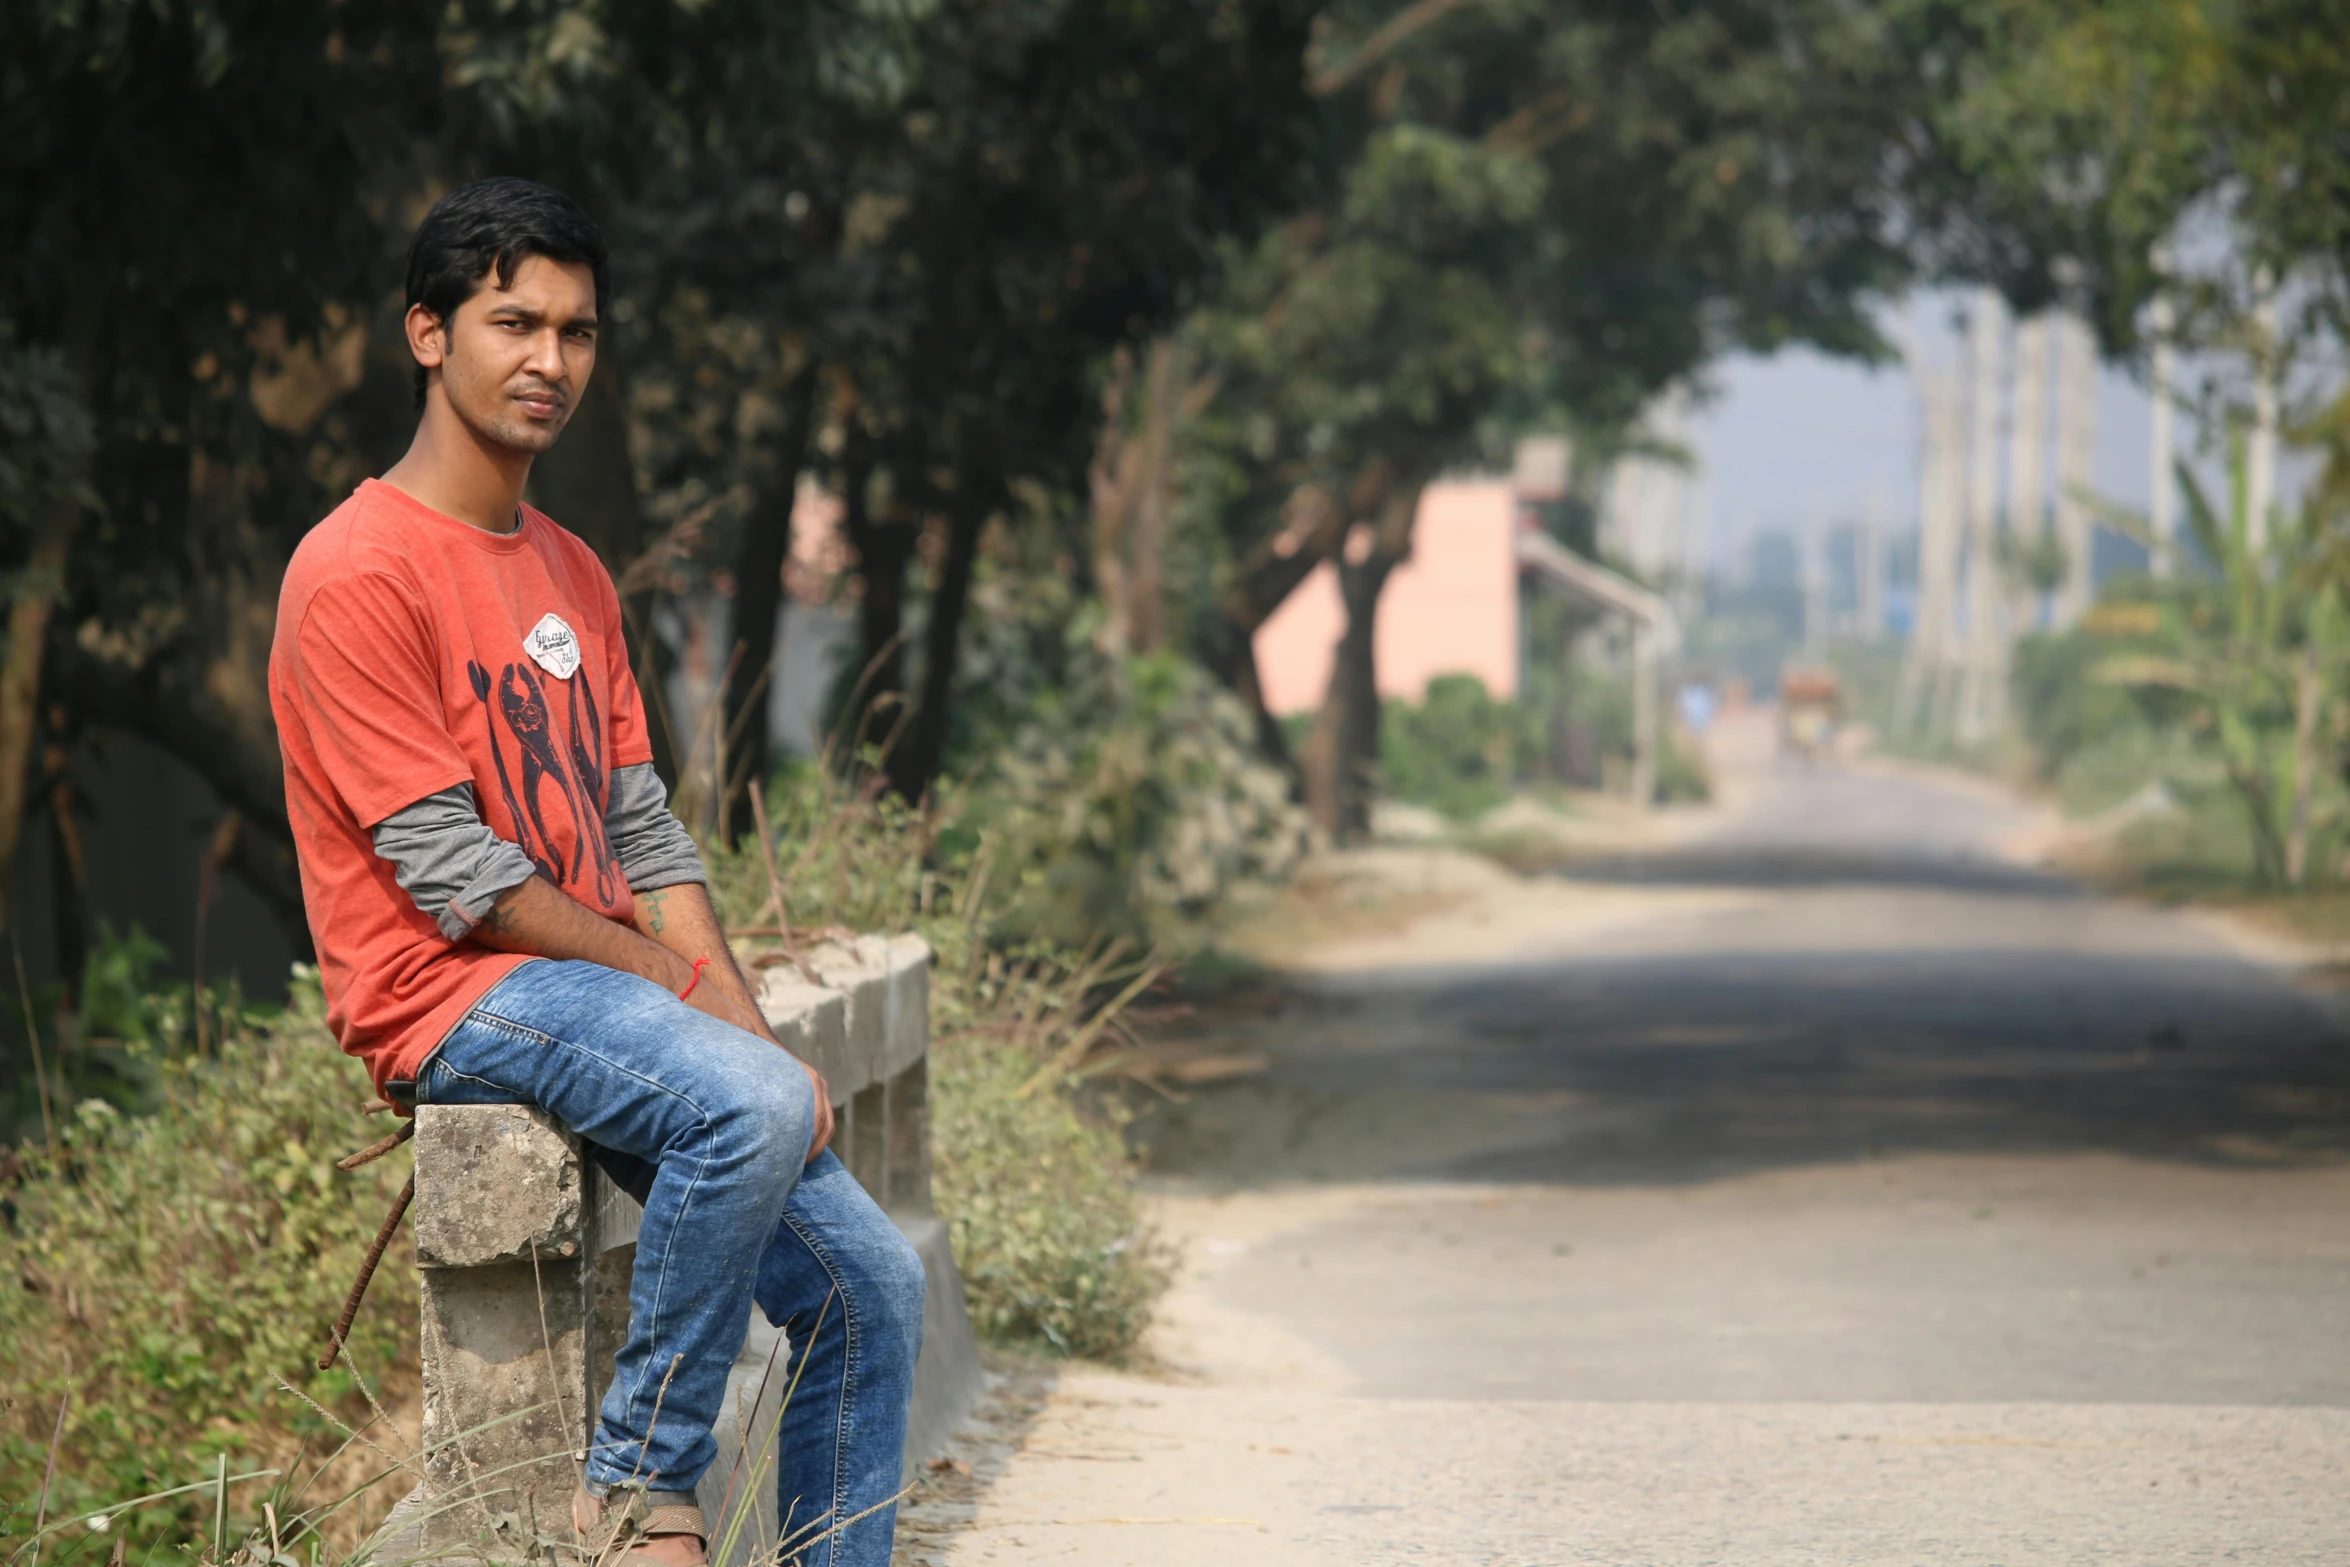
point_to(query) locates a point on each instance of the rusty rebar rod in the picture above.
(375, 1254)
(375, 1151)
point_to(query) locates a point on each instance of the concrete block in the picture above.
(503, 1328)
(859, 970)
(494, 1183)
(812, 1022)
(742, 1482)
(865, 1140)
(948, 1378)
(908, 1179)
(906, 1013)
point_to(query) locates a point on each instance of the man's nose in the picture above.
(546, 357)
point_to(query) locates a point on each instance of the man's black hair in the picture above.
(490, 225)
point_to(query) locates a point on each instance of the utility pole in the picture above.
(2162, 484)
(1868, 567)
(1980, 712)
(1924, 696)
(2027, 459)
(2260, 457)
(1812, 564)
(2076, 463)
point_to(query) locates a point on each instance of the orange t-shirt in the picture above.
(415, 652)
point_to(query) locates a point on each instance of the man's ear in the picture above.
(427, 339)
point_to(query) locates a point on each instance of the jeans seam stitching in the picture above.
(842, 1428)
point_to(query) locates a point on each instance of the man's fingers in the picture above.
(823, 1137)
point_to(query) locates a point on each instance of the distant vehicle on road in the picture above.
(1810, 704)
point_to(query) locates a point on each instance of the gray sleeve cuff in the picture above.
(448, 861)
(654, 848)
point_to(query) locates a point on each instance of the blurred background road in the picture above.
(1826, 1186)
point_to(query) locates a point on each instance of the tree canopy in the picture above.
(1174, 281)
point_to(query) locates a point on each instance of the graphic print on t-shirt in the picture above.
(553, 646)
(521, 709)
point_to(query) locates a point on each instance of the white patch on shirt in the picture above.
(553, 646)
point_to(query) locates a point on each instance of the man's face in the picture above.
(514, 361)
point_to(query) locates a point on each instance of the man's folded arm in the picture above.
(448, 860)
(653, 846)
(475, 884)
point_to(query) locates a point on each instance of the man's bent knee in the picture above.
(767, 1117)
(891, 1289)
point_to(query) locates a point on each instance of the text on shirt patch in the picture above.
(553, 647)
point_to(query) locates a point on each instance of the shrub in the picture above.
(1140, 821)
(169, 1268)
(1037, 1194)
(1461, 752)
(1456, 751)
(1031, 1175)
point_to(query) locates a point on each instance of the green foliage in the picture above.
(126, 1024)
(1461, 752)
(1121, 795)
(170, 1268)
(2241, 668)
(1457, 751)
(1037, 1191)
(1030, 1172)
(45, 435)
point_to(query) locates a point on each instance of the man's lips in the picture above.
(540, 405)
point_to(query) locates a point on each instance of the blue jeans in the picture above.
(709, 1126)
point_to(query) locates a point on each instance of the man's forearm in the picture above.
(681, 919)
(674, 928)
(543, 920)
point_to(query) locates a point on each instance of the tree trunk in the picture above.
(1271, 572)
(1147, 600)
(913, 766)
(1110, 491)
(884, 549)
(754, 661)
(69, 875)
(1343, 759)
(20, 681)
(1343, 766)
(210, 708)
(1231, 656)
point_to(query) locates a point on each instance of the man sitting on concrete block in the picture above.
(506, 912)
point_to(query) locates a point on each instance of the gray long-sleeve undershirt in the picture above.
(447, 859)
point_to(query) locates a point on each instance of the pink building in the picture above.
(1452, 609)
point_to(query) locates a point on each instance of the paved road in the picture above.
(1849, 1195)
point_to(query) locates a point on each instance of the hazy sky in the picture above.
(1801, 435)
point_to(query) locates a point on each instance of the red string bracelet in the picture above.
(699, 965)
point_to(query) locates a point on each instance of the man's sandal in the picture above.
(640, 1528)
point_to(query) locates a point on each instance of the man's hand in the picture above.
(720, 1003)
(681, 919)
(674, 927)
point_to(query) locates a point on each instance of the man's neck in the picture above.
(458, 474)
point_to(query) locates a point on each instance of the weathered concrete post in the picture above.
(526, 1250)
(499, 1234)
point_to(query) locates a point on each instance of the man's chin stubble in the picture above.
(524, 435)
